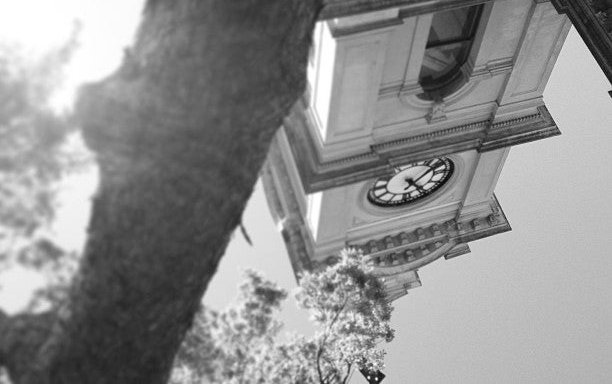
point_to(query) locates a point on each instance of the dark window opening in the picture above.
(448, 46)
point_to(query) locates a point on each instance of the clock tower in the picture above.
(410, 112)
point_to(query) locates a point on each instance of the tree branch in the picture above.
(180, 133)
(319, 372)
(4, 325)
(332, 372)
(337, 315)
(324, 340)
(348, 372)
(23, 339)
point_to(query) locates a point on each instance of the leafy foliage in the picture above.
(225, 346)
(241, 344)
(34, 156)
(31, 135)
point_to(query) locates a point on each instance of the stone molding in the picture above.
(397, 258)
(338, 32)
(483, 136)
(399, 286)
(597, 39)
(524, 129)
(339, 8)
(413, 249)
(288, 219)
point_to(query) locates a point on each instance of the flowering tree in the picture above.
(240, 345)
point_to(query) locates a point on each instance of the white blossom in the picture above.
(240, 345)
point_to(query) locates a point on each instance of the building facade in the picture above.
(410, 113)
(593, 21)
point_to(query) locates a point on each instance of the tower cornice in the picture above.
(483, 136)
(340, 8)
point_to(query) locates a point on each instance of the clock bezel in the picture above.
(408, 202)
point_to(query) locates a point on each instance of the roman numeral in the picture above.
(378, 192)
(439, 164)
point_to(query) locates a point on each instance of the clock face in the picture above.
(411, 182)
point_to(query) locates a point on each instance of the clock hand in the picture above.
(410, 183)
(422, 175)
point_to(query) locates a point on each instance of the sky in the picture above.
(528, 306)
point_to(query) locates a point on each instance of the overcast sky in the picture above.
(528, 306)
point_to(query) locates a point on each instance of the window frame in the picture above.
(454, 78)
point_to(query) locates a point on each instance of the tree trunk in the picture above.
(180, 132)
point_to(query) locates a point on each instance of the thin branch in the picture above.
(333, 372)
(4, 324)
(322, 343)
(348, 371)
(21, 337)
(319, 353)
(328, 377)
(338, 314)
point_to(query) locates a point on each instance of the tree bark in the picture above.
(180, 132)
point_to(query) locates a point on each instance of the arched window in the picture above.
(448, 46)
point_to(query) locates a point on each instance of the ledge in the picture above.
(411, 250)
(483, 136)
(339, 8)
(591, 30)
